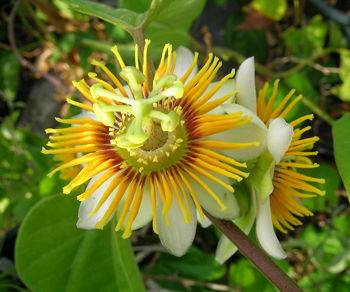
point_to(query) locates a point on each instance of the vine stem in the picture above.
(255, 255)
(139, 38)
(11, 35)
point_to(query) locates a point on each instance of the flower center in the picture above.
(147, 131)
(157, 137)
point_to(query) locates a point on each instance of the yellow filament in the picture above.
(209, 161)
(78, 121)
(220, 157)
(211, 144)
(261, 100)
(193, 195)
(197, 77)
(204, 186)
(297, 175)
(118, 56)
(183, 192)
(271, 101)
(154, 205)
(187, 217)
(114, 204)
(131, 194)
(79, 104)
(298, 165)
(190, 69)
(145, 63)
(282, 104)
(111, 76)
(84, 89)
(117, 180)
(302, 119)
(211, 177)
(134, 209)
(137, 57)
(290, 106)
(218, 170)
(207, 107)
(74, 162)
(204, 82)
(104, 177)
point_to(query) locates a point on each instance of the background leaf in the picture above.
(342, 149)
(53, 255)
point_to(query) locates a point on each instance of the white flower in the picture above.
(273, 202)
(157, 155)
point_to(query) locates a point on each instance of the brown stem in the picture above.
(139, 39)
(255, 255)
(55, 81)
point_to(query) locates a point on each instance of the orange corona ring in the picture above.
(149, 148)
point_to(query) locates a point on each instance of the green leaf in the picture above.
(313, 37)
(174, 14)
(53, 255)
(124, 18)
(343, 91)
(194, 265)
(9, 72)
(244, 275)
(342, 149)
(274, 9)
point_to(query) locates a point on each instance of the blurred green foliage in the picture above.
(307, 52)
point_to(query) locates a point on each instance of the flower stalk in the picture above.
(255, 255)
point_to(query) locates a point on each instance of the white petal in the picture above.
(265, 231)
(178, 236)
(226, 248)
(85, 115)
(184, 58)
(89, 222)
(205, 223)
(225, 196)
(225, 89)
(279, 137)
(245, 82)
(254, 131)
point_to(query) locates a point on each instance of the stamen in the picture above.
(118, 56)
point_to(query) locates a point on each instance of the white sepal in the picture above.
(265, 231)
(254, 131)
(245, 83)
(178, 236)
(279, 137)
(226, 248)
(86, 207)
